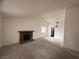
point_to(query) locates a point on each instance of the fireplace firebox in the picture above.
(26, 36)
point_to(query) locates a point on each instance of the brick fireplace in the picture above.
(26, 36)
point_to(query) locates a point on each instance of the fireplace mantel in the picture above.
(26, 31)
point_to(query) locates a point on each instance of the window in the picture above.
(43, 29)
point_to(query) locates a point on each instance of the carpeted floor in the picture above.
(38, 49)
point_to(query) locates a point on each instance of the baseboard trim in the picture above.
(72, 51)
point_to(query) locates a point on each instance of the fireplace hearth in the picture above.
(26, 36)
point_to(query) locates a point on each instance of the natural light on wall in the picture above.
(43, 29)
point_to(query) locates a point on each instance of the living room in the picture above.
(51, 20)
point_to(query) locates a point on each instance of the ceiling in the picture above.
(34, 7)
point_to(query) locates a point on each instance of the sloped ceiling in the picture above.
(34, 7)
(52, 17)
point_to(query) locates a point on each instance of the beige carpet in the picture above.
(38, 49)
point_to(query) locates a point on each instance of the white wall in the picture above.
(72, 28)
(0, 31)
(11, 26)
(0, 24)
(52, 18)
